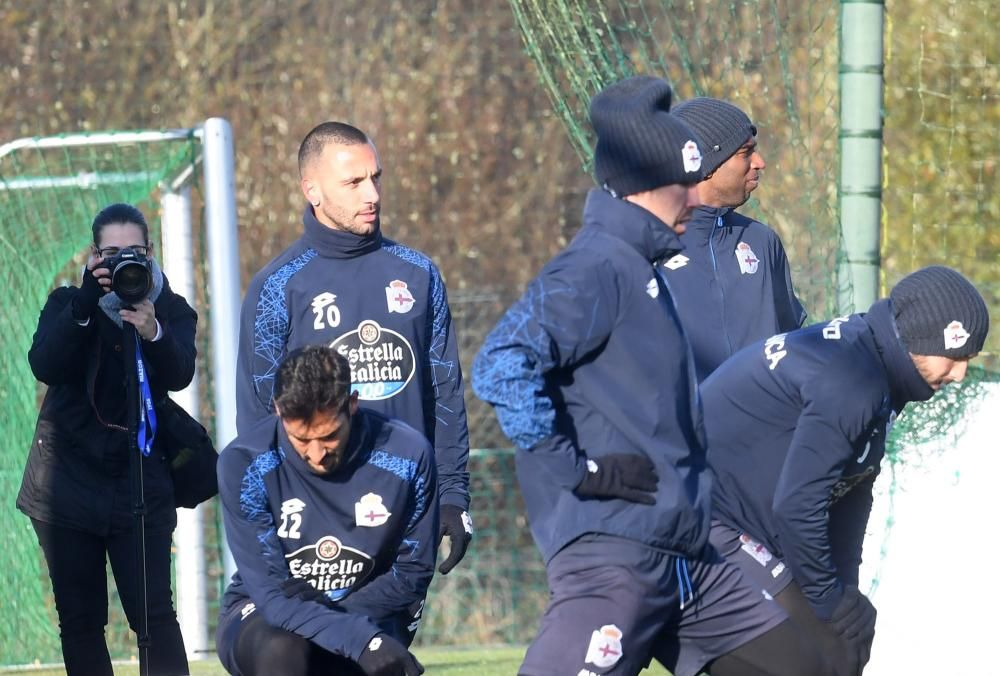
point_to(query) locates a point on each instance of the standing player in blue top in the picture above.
(796, 431)
(731, 283)
(331, 514)
(591, 376)
(381, 305)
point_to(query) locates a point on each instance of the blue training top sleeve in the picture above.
(848, 520)
(405, 583)
(450, 429)
(263, 336)
(253, 540)
(832, 416)
(566, 312)
(790, 313)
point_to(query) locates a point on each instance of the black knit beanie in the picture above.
(722, 127)
(640, 145)
(939, 313)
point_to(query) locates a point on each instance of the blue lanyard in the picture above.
(147, 414)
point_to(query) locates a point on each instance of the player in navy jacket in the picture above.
(797, 427)
(591, 377)
(331, 515)
(380, 304)
(732, 283)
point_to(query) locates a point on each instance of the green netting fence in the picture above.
(778, 59)
(779, 62)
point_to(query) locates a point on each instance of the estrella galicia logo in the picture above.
(381, 360)
(330, 567)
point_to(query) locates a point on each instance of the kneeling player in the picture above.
(331, 515)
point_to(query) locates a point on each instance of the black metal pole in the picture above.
(135, 461)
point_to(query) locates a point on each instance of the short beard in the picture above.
(355, 229)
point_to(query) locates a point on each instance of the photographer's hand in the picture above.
(143, 318)
(95, 283)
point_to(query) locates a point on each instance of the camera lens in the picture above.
(132, 281)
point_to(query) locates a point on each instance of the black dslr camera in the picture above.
(131, 275)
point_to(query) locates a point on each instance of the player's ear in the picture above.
(353, 402)
(310, 190)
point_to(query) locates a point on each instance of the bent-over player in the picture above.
(796, 431)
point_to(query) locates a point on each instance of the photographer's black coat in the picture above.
(77, 473)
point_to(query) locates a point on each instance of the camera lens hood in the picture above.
(131, 278)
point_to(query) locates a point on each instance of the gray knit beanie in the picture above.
(939, 313)
(722, 127)
(640, 145)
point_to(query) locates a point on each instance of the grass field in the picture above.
(450, 662)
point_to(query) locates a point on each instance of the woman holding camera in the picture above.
(77, 488)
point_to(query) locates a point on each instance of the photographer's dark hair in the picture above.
(311, 380)
(328, 132)
(119, 213)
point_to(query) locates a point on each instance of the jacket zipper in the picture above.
(715, 275)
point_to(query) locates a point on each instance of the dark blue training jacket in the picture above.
(796, 431)
(591, 361)
(365, 534)
(731, 285)
(381, 305)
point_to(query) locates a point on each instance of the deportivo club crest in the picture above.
(756, 550)
(747, 259)
(382, 361)
(398, 297)
(955, 336)
(605, 647)
(692, 156)
(370, 512)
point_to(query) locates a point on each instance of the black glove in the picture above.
(629, 476)
(863, 645)
(854, 616)
(865, 650)
(385, 656)
(86, 299)
(854, 620)
(297, 588)
(457, 525)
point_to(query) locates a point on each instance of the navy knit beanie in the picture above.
(640, 145)
(938, 312)
(722, 127)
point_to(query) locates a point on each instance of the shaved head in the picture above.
(340, 133)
